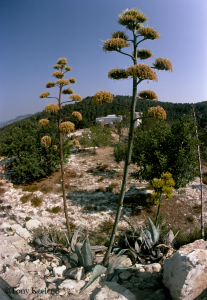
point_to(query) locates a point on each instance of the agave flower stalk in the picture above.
(139, 72)
(64, 127)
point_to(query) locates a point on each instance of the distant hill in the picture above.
(16, 119)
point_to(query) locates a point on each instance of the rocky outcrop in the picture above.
(185, 273)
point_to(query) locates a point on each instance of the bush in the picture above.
(46, 189)
(36, 201)
(30, 188)
(27, 219)
(25, 198)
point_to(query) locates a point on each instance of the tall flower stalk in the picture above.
(132, 20)
(63, 127)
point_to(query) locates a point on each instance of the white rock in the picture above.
(20, 231)
(72, 284)
(33, 224)
(58, 271)
(156, 267)
(185, 274)
(112, 290)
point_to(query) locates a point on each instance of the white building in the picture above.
(116, 119)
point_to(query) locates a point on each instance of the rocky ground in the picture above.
(93, 183)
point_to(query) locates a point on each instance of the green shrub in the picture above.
(1, 183)
(25, 198)
(183, 238)
(101, 167)
(27, 219)
(190, 219)
(54, 210)
(88, 207)
(36, 201)
(101, 179)
(2, 191)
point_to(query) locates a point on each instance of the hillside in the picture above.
(90, 112)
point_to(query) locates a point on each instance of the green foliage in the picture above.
(27, 219)
(167, 148)
(25, 198)
(120, 152)
(30, 159)
(30, 188)
(97, 137)
(36, 201)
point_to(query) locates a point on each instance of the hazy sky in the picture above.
(34, 34)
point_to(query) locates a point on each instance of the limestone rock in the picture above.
(58, 271)
(71, 285)
(20, 231)
(185, 274)
(32, 224)
(112, 290)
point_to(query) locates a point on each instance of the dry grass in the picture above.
(2, 190)
(102, 167)
(197, 207)
(106, 226)
(190, 219)
(1, 183)
(101, 179)
(54, 210)
(46, 189)
(30, 188)
(27, 219)
(36, 201)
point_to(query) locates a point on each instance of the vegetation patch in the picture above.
(36, 201)
(106, 226)
(27, 219)
(46, 189)
(190, 219)
(30, 188)
(71, 174)
(1, 183)
(2, 190)
(54, 210)
(25, 198)
(102, 167)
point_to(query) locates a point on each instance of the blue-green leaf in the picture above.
(87, 256)
(97, 271)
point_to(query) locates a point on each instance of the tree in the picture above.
(30, 160)
(132, 20)
(63, 127)
(96, 137)
(166, 147)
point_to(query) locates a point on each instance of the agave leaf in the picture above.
(131, 252)
(155, 232)
(80, 258)
(114, 263)
(98, 248)
(97, 271)
(87, 256)
(74, 239)
(136, 246)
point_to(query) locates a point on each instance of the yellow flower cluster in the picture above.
(77, 115)
(46, 141)
(142, 71)
(119, 34)
(62, 61)
(58, 74)
(44, 95)
(158, 112)
(115, 44)
(43, 122)
(50, 84)
(144, 53)
(67, 68)
(164, 185)
(163, 64)
(75, 97)
(72, 80)
(117, 74)
(54, 147)
(75, 142)
(148, 95)
(131, 18)
(102, 96)
(52, 107)
(67, 127)
(57, 67)
(63, 82)
(148, 33)
(67, 91)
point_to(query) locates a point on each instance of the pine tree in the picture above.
(63, 127)
(132, 20)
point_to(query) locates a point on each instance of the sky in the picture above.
(35, 34)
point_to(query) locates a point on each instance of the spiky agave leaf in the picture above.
(115, 44)
(117, 74)
(102, 97)
(155, 232)
(114, 264)
(148, 95)
(142, 71)
(163, 64)
(148, 33)
(87, 256)
(97, 271)
(74, 238)
(78, 252)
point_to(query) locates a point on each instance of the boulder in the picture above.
(74, 273)
(32, 224)
(185, 273)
